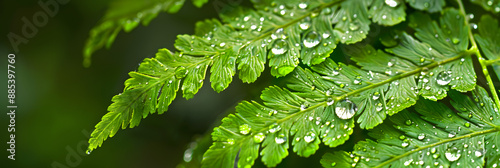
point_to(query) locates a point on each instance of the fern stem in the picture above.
(482, 61)
(436, 144)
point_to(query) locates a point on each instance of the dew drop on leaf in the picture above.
(334, 164)
(88, 151)
(455, 40)
(478, 153)
(258, 138)
(391, 3)
(274, 128)
(404, 144)
(245, 129)
(421, 136)
(302, 5)
(353, 26)
(408, 122)
(310, 137)
(280, 47)
(376, 95)
(312, 39)
(280, 139)
(452, 154)
(345, 109)
(443, 78)
(180, 72)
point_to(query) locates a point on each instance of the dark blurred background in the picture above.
(59, 101)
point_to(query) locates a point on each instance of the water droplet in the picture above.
(303, 107)
(230, 141)
(302, 5)
(311, 39)
(274, 128)
(245, 129)
(443, 78)
(345, 109)
(272, 112)
(391, 3)
(280, 139)
(330, 101)
(88, 151)
(180, 72)
(376, 95)
(333, 164)
(452, 154)
(421, 136)
(452, 134)
(408, 122)
(455, 40)
(478, 153)
(404, 144)
(309, 137)
(467, 124)
(280, 47)
(258, 138)
(353, 26)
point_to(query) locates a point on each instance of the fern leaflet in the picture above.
(434, 135)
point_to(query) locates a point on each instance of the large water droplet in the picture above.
(455, 40)
(311, 39)
(180, 72)
(310, 137)
(280, 47)
(345, 109)
(258, 138)
(452, 154)
(443, 78)
(245, 129)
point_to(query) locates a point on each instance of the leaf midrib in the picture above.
(474, 134)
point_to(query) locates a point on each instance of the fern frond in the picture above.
(126, 15)
(488, 39)
(151, 89)
(433, 135)
(321, 104)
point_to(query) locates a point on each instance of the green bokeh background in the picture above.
(59, 101)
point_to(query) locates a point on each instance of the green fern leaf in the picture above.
(151, 89)
(321, 104)
(432, 136)
(126, 15)
(488, 40)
